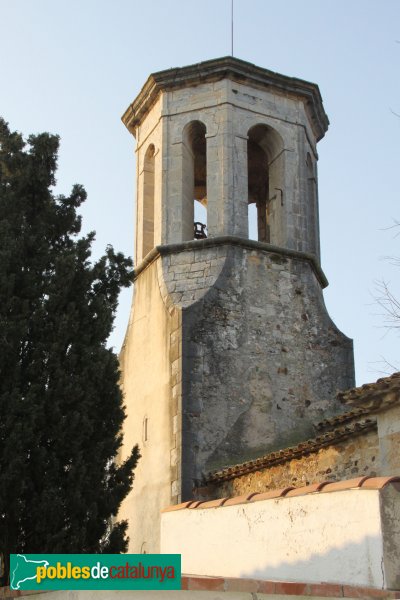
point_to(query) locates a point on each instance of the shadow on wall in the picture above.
(360, 558)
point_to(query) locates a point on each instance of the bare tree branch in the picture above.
(386, 367)
(390, 305)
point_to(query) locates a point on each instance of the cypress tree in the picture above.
(61, 408)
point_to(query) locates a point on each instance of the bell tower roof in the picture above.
(234, 69)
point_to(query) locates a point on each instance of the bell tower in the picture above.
(229, 352)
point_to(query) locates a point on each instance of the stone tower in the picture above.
(230, 352)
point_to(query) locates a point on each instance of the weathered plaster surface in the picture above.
(333, 537)
(390, 515)
(389, 439)
(150, 378)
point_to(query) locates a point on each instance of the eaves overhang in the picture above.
(374, 396)
(232, 68)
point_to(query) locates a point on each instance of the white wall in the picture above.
(323, 537)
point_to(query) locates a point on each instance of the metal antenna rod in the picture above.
(232, 27)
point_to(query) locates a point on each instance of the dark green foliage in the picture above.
(61, 409)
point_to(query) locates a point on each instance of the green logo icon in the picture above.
(24, 570)
(95, 571)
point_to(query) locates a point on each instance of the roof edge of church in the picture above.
(375, 395)
(218, 68)
(286, 454)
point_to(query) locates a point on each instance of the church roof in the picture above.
(373, 396)
(228, 67)
(366, 399)
(302, 449)
(343, 419)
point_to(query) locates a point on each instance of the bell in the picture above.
(199, 231)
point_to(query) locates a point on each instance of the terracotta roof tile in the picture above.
(377, 483)
(374, 396)
(239, 499)
(195, 504)
(347, 417)
(272, 494)
(308, 489)
(178, 506)
(346, 484)
(212, 503)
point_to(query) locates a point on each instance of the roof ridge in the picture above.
(366, 482)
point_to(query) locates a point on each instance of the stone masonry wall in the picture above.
(261, 359)
(353, 457)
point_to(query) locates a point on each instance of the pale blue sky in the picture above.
(72, 68)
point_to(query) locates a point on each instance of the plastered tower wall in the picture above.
(151, 385)
(229, 351)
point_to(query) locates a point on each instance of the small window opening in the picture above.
(200, 179)
(195, 181)
(148, 200)
(312, 208)
(145, 429)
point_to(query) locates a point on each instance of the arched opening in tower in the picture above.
(258, 183)
(265, 189)
(312, 207)
(148, 200)
(195, 181)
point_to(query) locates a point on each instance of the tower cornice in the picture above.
(232, 68)
(230, 240)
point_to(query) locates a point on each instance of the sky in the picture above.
(73, 67)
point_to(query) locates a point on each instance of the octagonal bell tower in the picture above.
(229, 352)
